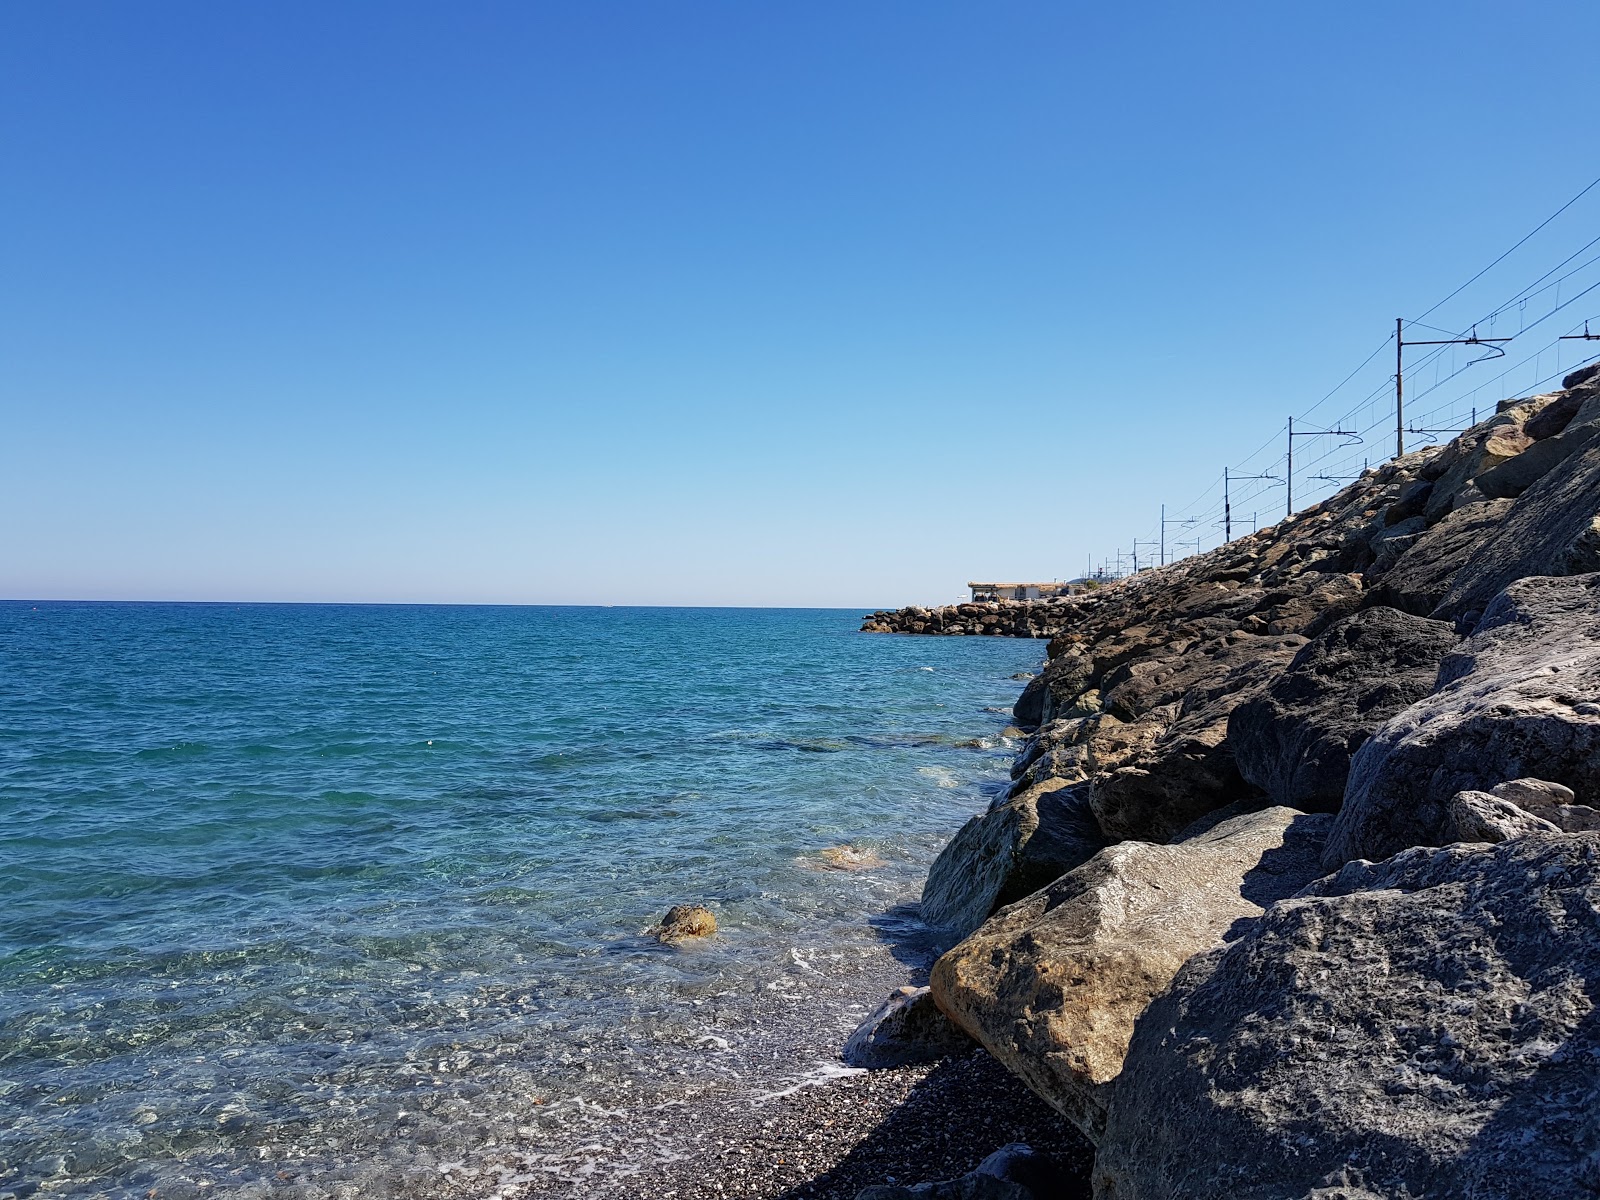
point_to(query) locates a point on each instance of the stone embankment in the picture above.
(1296, 889)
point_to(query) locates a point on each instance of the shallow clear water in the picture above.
(330, 900)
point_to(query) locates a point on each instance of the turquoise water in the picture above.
(350, 901)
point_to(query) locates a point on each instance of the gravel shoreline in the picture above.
(826, 1142)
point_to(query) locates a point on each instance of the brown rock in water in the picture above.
(685, 921)
(1052, 985)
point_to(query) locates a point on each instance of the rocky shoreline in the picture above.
(1296, 890)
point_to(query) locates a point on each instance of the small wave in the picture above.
(819, 1076)
(942, 776)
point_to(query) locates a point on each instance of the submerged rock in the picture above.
(1520, 697)
(906, 1028)
(1052, 985)
(685, 921)
(1421, 1027)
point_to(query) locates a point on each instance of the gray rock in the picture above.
(1006, 853)
(1421, 1027)
(1550, 801)
(906, 1028)
(1422, 574)
(1517, 698)
(1052, 985)
(1483, 817)
(1295, 740)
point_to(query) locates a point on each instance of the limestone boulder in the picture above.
(1295, 740)
(1002, 855)
(1052, 985)
(906, 1028)
(1520, 697)
(1420, 1027)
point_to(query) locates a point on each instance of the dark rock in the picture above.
(1421, 1027)
(1581, 375)
(1295, 740)
(1411, 503)
(1425, 571)
(906, 1028)
(1554, 417)
(1006, 853)
(1014, 1172)
(1520, 697)
(1189, 769)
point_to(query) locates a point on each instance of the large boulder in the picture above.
(1296, 739)
(1520, 697)
(1189, 769)
(1553, 528)
(1421, 1027)
(1053, 985)
(1416, 576)
(1007, 852)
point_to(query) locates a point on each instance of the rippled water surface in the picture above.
(330, 900)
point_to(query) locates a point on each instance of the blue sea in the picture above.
(351, 901)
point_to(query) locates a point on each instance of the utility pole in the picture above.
(1288, 476)
(1400, 345)
(1227, 502)
(1136, 544)
(1180, 521)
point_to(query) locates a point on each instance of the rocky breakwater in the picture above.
(1296, 891)
(995, 618)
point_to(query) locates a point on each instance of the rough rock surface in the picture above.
(1007, 852)
(1552, 529)
(1420, 578)
(1296, 739)
(1421, 1027)
(906, 1028)
(1051, 986)
(685, 921)
(1485, 817)
(1520, 697)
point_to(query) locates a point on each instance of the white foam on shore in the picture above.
(820, 1076)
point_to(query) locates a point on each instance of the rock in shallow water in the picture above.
(1421, 1027)
(685, 921)
(906, 1028)
(1052, 985)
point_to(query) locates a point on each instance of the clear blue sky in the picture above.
(823, 303)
